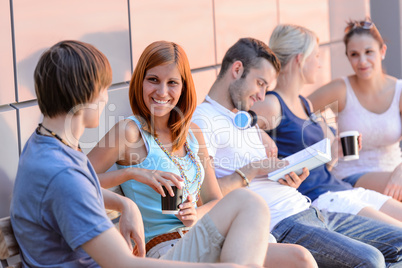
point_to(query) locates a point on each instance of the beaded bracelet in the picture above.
(238, 171)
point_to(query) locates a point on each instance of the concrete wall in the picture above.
(121, 29)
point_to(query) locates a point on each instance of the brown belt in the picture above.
(159, 239)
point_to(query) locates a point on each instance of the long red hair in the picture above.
(162, 53)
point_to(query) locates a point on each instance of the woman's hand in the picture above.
(394, 185)
(337, 151)
(187, 213)
(359, 141)
(156, 178)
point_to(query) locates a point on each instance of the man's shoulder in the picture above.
(205, 108)
(45, 158)
(204, 114)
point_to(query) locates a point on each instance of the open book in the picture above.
(314, 156)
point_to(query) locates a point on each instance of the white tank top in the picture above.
(381, 134)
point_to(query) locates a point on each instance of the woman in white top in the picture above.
(367, 101)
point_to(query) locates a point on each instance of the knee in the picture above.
(302, 257)
(251, 201)
(373, 258)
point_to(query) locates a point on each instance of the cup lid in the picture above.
(349, 133)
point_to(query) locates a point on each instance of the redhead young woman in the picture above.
(370, 102)
(157, 146)
(292, 125)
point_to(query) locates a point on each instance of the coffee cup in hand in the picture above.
(170, 204)
(350, 145)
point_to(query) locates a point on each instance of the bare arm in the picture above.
(332, 95)
(269, 112)
(130, 223)
(270, 146)
(124, 143)
(254, 169)
(210, 193)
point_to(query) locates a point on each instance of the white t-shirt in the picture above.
(232, 148)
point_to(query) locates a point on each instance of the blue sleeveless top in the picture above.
(294, 134)
(149, 201)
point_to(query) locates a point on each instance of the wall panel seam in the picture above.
(13, 50)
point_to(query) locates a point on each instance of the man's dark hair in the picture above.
(68, 74)
(249, 51)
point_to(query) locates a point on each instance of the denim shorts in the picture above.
(352, 179)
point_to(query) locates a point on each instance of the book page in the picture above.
(316, 155)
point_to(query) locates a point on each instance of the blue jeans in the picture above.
(342, 240)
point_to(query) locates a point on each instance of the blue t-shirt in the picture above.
(149, 201)
(294, 134)
(57, 205)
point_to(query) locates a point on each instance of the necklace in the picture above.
(56, 136)
(184, 161)
(187, 182)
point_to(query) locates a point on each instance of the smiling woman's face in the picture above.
(365, 55)
(162, 87)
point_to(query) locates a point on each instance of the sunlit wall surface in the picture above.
(121, 29)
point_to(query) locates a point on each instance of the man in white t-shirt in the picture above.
(239, 151)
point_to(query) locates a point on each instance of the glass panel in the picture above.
(235, 19)
(7, 91)
(8, 157)
(313, 14)
(188, 23)
(340, 11)
(203, 82)
(42, 23)
(30, 117)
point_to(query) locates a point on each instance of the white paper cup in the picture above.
(350, 145)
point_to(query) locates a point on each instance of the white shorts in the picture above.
(203, 243)
(350, 201)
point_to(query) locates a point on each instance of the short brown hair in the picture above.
(68, 74)
(249, 51)
(162, 53)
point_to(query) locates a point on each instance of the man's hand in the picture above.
(131, 226)
(293, 180)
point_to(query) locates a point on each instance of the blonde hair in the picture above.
(289, 40)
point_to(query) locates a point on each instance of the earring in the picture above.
(383, 57)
